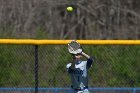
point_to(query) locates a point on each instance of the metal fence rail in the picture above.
(68, 90)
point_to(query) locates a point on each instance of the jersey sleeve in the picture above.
(69, 69)
(89, 62)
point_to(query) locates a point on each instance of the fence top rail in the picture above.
(62, 42)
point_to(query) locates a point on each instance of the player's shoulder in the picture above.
(81, 65)
(84, 62)
(68, 65)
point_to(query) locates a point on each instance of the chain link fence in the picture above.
(113, 66)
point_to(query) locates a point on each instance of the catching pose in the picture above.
(78, 69)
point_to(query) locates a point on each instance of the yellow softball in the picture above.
(69, 8)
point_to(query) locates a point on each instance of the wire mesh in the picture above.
(16, 66)
(113, 66)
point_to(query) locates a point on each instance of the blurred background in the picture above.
(91, 19)
(114, 65)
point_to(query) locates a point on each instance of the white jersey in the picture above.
(79, 75)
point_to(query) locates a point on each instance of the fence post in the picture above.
(36, 69)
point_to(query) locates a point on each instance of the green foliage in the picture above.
(41, 34)
(12, 70)
(113, 66)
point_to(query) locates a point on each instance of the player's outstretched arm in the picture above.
(85, 55)
(89, 59)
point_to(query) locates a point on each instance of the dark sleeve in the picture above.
(70, 70)
(89, 62)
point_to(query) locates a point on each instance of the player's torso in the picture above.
(79, 75)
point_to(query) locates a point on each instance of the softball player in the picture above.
(78, 71)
